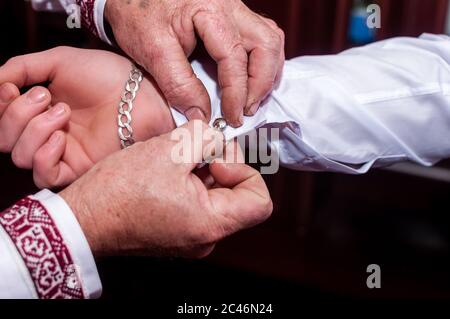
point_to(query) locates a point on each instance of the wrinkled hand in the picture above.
(248, 48)
(80, 128)
(141, 201)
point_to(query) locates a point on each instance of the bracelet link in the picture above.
(126, 107)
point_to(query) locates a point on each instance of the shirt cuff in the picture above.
(99, 20)
(75, 239)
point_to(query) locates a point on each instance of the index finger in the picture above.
(169, 66)
(8, 93)
(222, 41)
(29, 69)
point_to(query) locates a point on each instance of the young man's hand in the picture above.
(63, 130)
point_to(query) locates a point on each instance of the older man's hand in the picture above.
(159, 35)
(144, 200)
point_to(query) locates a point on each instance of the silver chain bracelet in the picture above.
(126, 106)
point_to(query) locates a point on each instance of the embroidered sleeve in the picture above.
(43, 249)
(87, 15)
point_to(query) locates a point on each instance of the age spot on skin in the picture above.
(144, 4)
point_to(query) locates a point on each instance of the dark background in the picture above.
(326, 228)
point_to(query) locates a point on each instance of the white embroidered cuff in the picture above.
(75, 239)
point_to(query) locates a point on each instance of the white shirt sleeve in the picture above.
(99, 19)
(15, 279)
(375, 105)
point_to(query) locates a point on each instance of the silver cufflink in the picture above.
(220, 124)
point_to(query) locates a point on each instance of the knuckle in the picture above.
(264, 87)
(265, 203)
(38, 160)
(274, 41)
(281, 34)
(5, 147)
(36, 125)
(39, 181)
(61, 49)
(41, 177)
(18, 62)
(275, 28)
(33, 127)
(264, 211)
(267, 208)
(237, 49)
(234, 65)
(267, 86)
(19, 159)
(211, 7)
(198, 236)
(14, 60)
(271, 22)
(201, 252)
(15, 114)
(202, 236)
(185, 88)
(176, 88)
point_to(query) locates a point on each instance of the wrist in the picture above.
(112, 12)
(151, 114)
(86, 217)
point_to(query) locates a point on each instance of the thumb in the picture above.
(32, 68)
(242, 199)
(192, 143)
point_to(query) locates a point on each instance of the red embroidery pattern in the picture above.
(87, 15)
(43, 250)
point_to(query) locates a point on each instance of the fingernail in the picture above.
(55, 112)
(6, 93)
(253, 108)
(194, 113)
(37, 95)
(216, 147)
(239, 121)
